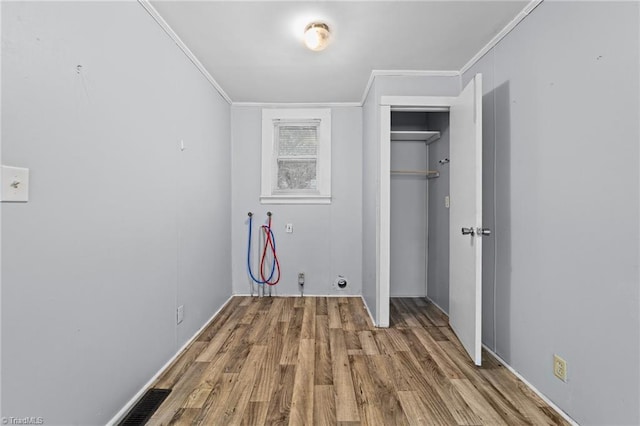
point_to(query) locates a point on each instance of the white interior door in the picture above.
(465, 214)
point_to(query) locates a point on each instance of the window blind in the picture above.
(297, 157)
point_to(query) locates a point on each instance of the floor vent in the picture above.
(145, 407)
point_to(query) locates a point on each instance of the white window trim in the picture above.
(323, 195)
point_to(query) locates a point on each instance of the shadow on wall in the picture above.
(502, 234)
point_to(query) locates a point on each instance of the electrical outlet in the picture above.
(447, 202)
(179, 314)
(301, 278)
(560, 368)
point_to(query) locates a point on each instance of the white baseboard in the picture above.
(412, 296)
(139, 394)
(364, 302)
(373, 321)
(519, 376)
(438, 306)
(533, 388)
(298, 295)
(144, 388)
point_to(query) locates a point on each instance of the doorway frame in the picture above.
(383, 214)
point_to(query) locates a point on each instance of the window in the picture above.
(296, 156)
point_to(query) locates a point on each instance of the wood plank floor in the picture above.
(320, 361)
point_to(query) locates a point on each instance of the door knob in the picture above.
(468, 231)
(484, 231)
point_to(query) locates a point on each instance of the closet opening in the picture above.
(419, 216)
(421, 209)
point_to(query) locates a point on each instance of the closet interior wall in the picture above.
(410, 205)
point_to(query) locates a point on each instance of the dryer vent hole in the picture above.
(341, 282)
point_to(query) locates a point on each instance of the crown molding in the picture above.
(506, 30)
(167, 29)
(296, 104)
(374, 73)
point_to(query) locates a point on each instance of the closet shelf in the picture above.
(425, 136)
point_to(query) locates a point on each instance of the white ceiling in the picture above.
(254, 50)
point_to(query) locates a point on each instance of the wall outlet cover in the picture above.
(180, 314)
(560, 368)
(15, 184)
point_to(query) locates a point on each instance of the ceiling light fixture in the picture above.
(316, 36)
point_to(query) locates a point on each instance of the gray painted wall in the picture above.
(326, 239)
(561, 110)
(121, 226)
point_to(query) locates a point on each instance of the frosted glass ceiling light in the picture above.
(316, 36)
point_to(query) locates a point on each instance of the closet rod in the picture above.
(427, 173)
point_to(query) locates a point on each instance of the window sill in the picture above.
(295, 199)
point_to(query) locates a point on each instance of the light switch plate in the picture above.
(15, 184)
